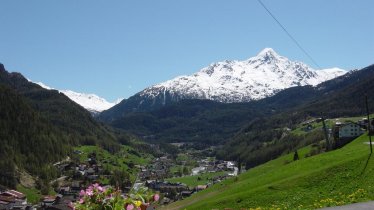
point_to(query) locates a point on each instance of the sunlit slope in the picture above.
(338, 177)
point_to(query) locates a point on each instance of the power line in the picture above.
(289, 35)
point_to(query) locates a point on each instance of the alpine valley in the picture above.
(231, 135)
(171, 105)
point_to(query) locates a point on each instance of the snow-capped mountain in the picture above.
(241, 81)
(228, 81)
(91, 102)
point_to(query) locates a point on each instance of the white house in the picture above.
(197, 170)
(350, 130)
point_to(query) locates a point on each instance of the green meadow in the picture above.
(332, 178)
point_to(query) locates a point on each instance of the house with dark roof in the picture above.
(12, 199)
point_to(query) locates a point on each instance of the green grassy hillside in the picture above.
(329, 179)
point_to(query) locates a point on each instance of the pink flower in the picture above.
(82, 193)
(130, 207)
(96, 185)
(156, 197)
(101, 189)
(89, 192)
(81, 201)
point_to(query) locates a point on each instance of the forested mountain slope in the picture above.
(59, 110)
(40, 126)
(27, 140)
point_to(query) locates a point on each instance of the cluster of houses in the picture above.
(89, 170)
(153, 177)
(58, 202)
(171, 191)
(67, 190)
(12, 199)
(350, 130)
(157, 170)
(342, 131)
(150, 176)
(347, 130)
(210, 166)
(81, 174)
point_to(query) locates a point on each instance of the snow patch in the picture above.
(91, 102)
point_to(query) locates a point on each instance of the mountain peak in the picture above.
(267, 52)
(267, 55)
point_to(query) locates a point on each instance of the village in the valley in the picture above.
(160, 175)
(174, 175)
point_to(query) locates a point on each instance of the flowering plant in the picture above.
(96, 197)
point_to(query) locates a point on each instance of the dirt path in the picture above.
(356, 206)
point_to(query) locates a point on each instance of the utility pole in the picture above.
(368, 127)
(328, 146)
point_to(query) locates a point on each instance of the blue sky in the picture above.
(117, 48)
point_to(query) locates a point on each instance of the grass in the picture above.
(334, 178)
(175, 168)
(33, 195)
(193, 181)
